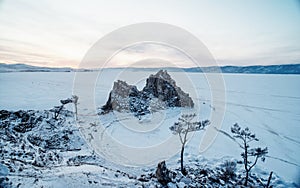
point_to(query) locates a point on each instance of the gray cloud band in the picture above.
(99, 56)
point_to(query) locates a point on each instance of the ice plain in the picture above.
(267, 104)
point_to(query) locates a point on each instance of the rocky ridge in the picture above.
(160, 92)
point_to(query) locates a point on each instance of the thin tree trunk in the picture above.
(181, 161)
(76, 117)
(246, 162)
(247, 175)
(269, 180)
(58, 112)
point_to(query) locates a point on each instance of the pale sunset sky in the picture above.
(56, 33)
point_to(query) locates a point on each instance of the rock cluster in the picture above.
(33, 137)
(32, 140)
(160, 92)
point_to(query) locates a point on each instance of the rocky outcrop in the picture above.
(125, 98)
(160, 92)
(163, 174)
(163, 87)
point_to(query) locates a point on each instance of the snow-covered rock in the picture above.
(53, 154)
(185, 180)
(159, 93)
(181, 185)
(3, 170)
(171, 185)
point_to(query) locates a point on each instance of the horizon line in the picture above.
(136, 67)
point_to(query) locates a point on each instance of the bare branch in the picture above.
(180, 138)
(254, 163)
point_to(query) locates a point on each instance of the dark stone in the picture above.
(4, 114)
(163, 174)
(143, 179)
(19, 113)
(203, 172)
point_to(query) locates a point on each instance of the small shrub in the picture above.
(228, 169)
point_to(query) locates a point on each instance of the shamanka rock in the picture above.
(159, 93)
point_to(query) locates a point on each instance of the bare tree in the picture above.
(185, 126)
(57, 109)
(246, 137)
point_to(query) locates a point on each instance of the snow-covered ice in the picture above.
(267, 104)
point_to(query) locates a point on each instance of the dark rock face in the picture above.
(160, 92)
(162, 86)
(123, 98)
(163, 174)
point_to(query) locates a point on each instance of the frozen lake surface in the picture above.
(268, 104)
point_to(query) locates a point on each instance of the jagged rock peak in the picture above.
(162, 74)
(119, 97)
(160, 92)
(123, 89)
(162, 86)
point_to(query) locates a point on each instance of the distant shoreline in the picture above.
(255, 69)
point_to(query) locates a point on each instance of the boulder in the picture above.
(162, 173)
(4, 114)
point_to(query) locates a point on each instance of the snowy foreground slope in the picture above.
(267, 104)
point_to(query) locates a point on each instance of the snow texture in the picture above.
(39, 151)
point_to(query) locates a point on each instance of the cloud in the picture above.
(138, 54)
(43, 32)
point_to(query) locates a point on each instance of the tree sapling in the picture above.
(185, 126)
(246, 137)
